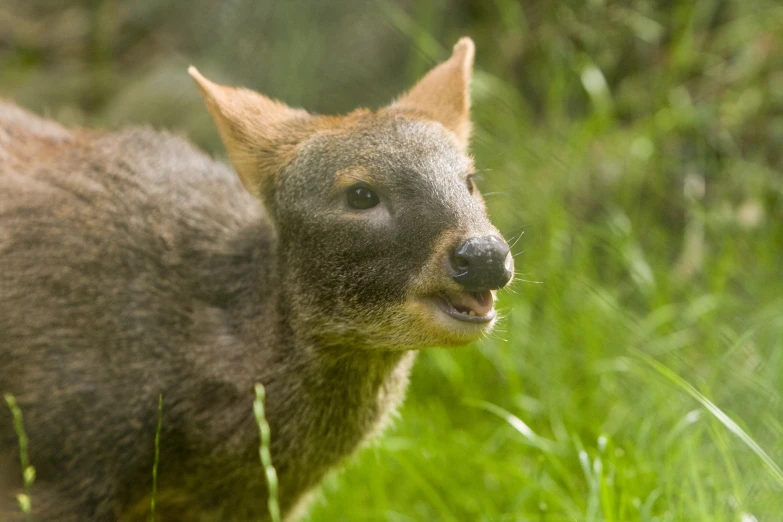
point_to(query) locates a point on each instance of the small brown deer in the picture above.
(133, 265)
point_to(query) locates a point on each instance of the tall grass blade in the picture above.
(264, 452)
(724, 419)
(518, 424)
(28, 472)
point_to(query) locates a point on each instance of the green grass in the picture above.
(591, 406)
(264, 453)
(25, 499)
(604, 420)
(637, 375)
(638, 146)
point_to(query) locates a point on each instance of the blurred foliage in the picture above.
(637, 144)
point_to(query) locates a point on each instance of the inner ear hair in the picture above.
(259, 133)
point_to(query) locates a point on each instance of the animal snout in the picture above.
(482, 263)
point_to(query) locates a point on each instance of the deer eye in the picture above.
(469, 183)
(361, 197)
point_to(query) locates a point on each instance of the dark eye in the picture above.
(469, 182)
(362, 198)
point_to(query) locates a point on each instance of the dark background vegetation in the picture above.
(637, 145)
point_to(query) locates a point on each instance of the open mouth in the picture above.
(471, 307)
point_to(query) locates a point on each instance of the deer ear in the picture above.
(258, 132)
(444, 92)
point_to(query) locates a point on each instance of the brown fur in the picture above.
(134, 265)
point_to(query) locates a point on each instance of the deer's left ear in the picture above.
(444, 92)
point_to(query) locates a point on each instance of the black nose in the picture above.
(482, 263)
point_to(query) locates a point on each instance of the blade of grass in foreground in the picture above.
(515, 422)
(28, 472)
(266, 456)
(724, 419)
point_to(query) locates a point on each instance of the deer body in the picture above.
(135, 266)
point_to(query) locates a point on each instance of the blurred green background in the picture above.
(637, 145)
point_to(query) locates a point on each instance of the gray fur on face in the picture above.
(360, 265)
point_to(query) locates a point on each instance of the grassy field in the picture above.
(632, 151)
(638, 372)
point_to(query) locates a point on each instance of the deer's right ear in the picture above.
(258, 132)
